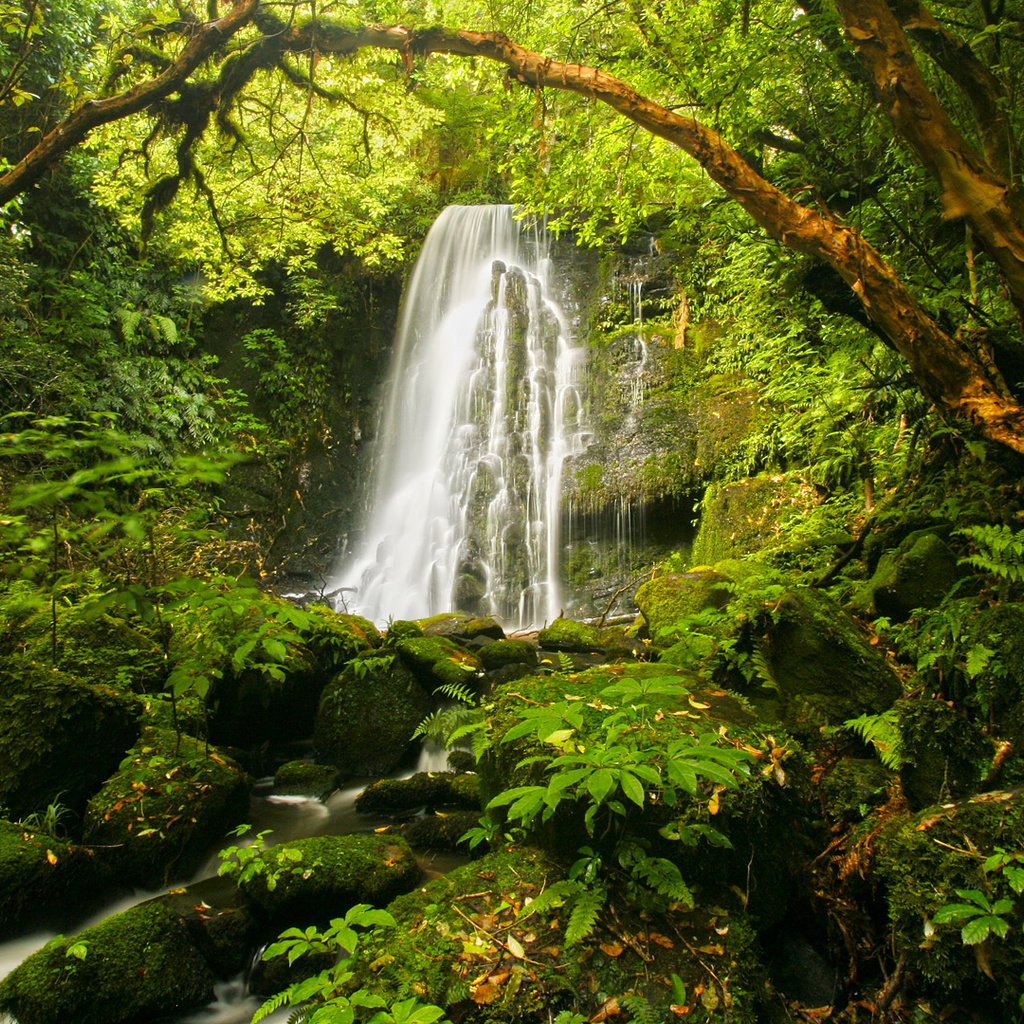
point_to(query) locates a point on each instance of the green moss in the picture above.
(852, 786)
(164, 808)
(42, 878)
(747, 516)
(923, 860)
(306, 779)
(666, 600)
(507, 652)
(424, 789)
(367, 715)
(59, 738)
(438, 661)
(320, 877)
(136, 965)
(567, 635)
(402, 629)
(457, 943)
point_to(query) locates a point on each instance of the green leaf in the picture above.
(632, 788)
(600, 784)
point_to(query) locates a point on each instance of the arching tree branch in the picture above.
(95, 112)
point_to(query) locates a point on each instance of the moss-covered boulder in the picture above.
(465, 943)
(852, 786)
(668, 600)
(916, 574)
(424, 789)
(438, 661)
(463, 629)
(441, 832)
(318, 878)
(303, 778)
(368, 714)
(611, 642)
(939, 857)
(137, 965)
(500, 653)
(747, 516)
(47, 881)
(252, 705)
(59, 738)
(945, 754)
(821, 666)
(166, 806)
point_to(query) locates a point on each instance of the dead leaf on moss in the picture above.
(612, 949)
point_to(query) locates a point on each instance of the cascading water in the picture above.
(482, 411)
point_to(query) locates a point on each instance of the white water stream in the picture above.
(483, 409)
(288, 817)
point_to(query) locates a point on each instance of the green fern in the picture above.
(640, 1010)
(129, 319)
(1000, 551)
(584, 914)
(440, 726)
(882, 732)
(456, 691)
(564, 662)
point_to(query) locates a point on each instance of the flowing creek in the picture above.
(288, 817)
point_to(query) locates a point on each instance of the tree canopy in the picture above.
(857, 136)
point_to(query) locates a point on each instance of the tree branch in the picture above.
(95, 112)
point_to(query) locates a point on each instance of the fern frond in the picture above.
(272, 1004)
(761, 665)
(129, 320)
(163, 327)
(882, 732)
(555, 895)
(585, 912)
(456, 692)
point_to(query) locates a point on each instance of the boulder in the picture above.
(47, 881)
(303, 778)
(500, 653)
(318, 878)
(136, 965)
(463, 629)
(916, 574)
(368, 714)
(424, 789)
(169, 802)
(253, 705)
(438, 661)
(59, 738)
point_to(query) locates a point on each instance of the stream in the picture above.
(289, 817)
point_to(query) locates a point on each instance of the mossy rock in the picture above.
(824, 668)
(462, 943)
(579, 637)
(402, 629)
(368, 714)
(166, 806)
(916, 574)
(59, 738)
(500, 653)
(136, 965)
(725, 411)
(438, 661)
(945, 754)
(424, 789)
(303, 778)
(47, 881)
(111, 651)
(922, 861)
(253, 706)
(441, 832)
(747, 516)
(462, 628)
(667, 600)
(320, 877)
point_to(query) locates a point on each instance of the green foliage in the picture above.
(257, 860)
(882, 732)
(330, 997)
(612, 771)
(54, 821)
(999, 552)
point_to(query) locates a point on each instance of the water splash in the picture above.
(483, 409)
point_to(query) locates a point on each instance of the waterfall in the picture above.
(483, 408)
